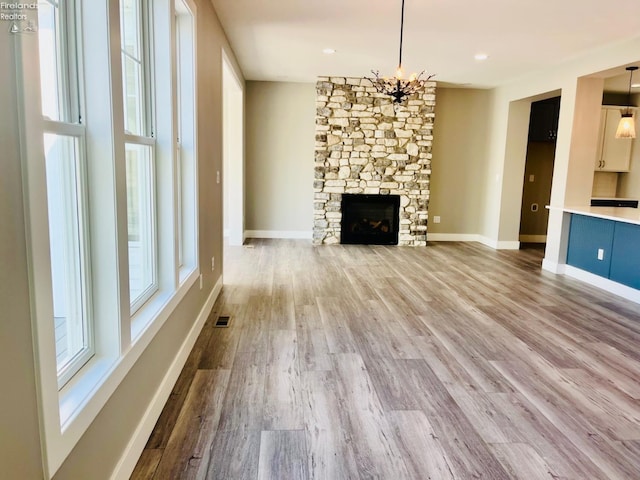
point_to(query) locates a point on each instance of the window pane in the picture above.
(132, 66)
(130, 24)
(68, 249)
(141, 223)
(50, 59)
(133, 96)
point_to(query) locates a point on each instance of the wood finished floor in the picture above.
(452, 361)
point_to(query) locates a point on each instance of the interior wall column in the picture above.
(575, 153)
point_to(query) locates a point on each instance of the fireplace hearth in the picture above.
(370, 219)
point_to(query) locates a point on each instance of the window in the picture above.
(140, 155)
(185, 146)
(66, 184)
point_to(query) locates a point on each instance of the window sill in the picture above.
(187, 275)
(82, 387)
(159, 307)
(80, 401)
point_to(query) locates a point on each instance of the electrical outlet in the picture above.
(532, 178)
(600, 254)
(213, 263)
(200, 281)
(436, 219)
(218, 176)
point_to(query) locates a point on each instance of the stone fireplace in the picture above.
(364, 146)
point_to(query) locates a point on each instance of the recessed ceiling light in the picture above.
(481, 56)
(328, 51)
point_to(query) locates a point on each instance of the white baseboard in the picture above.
(431, 237)
(134, 449)
(507, 245)
(292, 234)
(533, 238)
(472, 237)
(553, 267)
(497, 244)
(603, 283)
(452, 237)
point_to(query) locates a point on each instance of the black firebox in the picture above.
(370, 219)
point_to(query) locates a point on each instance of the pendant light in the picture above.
(627, 127)
(398, 87)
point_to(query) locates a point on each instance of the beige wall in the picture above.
(459, 160)
(103, 444)
(280, 130)
(279, 176)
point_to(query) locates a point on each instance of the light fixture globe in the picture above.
(398, 87)
(626, 126)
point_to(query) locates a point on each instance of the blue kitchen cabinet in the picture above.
(625, 256)
(590, 244)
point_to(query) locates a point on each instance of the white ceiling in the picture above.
(282, 40)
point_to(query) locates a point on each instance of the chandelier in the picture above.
(398, 87)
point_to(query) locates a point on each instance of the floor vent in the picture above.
(223, 321)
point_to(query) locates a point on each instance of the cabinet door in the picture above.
(625, 256)
(616, 152)
(603, 122)
(589, 239)
(543, 122)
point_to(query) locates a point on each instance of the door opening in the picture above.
(538, 174)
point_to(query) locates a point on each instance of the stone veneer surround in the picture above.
(365, 146)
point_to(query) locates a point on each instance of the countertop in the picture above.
(618, 214)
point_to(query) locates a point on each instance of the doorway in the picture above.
(538, 174)
(233, 154)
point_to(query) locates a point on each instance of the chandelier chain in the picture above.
(401, 34)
